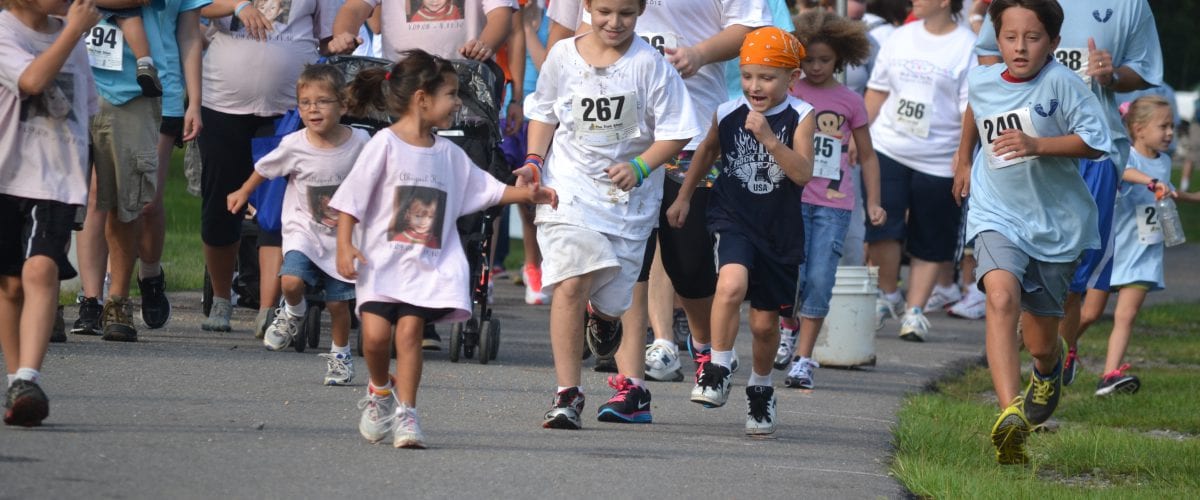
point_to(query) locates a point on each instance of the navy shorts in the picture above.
(920, 212)
(773, 284)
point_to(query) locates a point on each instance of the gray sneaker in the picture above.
(787, 346)
(281, 332)
(408, 429)
(339, 368)
(378, 416)
(801, 374)
(568, 404)
(218, 316)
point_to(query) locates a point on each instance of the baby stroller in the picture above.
(476, 129)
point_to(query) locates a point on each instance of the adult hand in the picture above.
(192, 124)
(876, 215)
(962, 182)
(477, 50)
(344, 43)
(257, 25)
(1100, 64)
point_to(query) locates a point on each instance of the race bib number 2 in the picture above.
(105, 46)
(991, 127)
(1148, 228)
(1075, 60)
(605, 120)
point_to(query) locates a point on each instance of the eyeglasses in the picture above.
(320, 104)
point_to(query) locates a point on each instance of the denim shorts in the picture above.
(824, 234)
(295, 263)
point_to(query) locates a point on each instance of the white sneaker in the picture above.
(760, 416)
(339, 368)
(408, 429)
(885, 308)
(378, 416)
(942, 298)
(281, 332)
(662, 364)
(914, 326)
(787, 346)
(801, 374)
(532, 275)
(973, 306)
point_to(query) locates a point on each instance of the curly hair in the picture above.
(847, 38)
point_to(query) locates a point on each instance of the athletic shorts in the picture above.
(393, 311)
(35, 227)
(570, 251)
(687, 252)
(773, 285)
(920, 212)
(1043, 284)
(1095, 265)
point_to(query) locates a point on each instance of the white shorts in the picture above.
(570, 251)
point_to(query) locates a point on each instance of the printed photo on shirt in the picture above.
(54, 103)
(418, 216)
(422, 11)
(318, 205)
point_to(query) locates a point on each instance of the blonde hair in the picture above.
(1142, 110)
(321, 74)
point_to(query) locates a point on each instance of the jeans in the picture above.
(824, 233)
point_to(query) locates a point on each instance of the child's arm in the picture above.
(870, 175)
(962, 158)
(702, 161)
(45, 67)
(1161, 189)
(1013, 143)
(237, 199)
(516, 67)
(347, 253)
(529, 195)
(623, 175)
(796, 161)
(537, 143)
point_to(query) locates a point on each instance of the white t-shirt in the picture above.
(407, 199)
(314, 174)
(565, 12)
(686, 23)
(607, 116)
(408, 25)
(925, 76)
(43, 138)
(243, 76)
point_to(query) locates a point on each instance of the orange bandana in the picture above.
(771, 46)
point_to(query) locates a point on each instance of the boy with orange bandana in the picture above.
(765, 139)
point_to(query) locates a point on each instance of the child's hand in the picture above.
(236, 200)
(477, 50)
(622, 176)
(1162, 190)
(877, 215)
(528, 175)
(678, 211)
(344, 43)
(543, 196)
(345, 261)
(82, 16)
(687, 60)
(757, 124)
(1014, 143)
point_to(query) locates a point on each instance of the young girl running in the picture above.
(1138, 263)
(831, 42)
(403, 284)
(621, 110)
(315, 160)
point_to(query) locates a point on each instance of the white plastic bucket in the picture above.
(847, 337)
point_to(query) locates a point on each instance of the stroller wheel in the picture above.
(485, 342)
(207, 301)
(456, 333)
(314, 334)
(311, 325)
(493, 345)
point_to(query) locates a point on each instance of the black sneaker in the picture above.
(1043, 393)
(680, 328)
(59, 333)
(603, 336)
(430, 340)
(26, 405)
(712, 385)
(147, 79)
(1070, 367)
(89, 317)
(1118, 382)
(605, 365)
(118, 320)
(156, 309)
(630, 405)
(760, 417)
(568, 404)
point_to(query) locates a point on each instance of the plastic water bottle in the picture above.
(1168, 217)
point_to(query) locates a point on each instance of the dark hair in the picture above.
(892, 11)
(1049, 12)
(323, 74)
(641, 6)
(392, 90)
(847, 38)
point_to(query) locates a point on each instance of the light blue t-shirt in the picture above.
(1042, 205)
(1125, 28)
(159, 18)
(1133, 260)
(780, 18)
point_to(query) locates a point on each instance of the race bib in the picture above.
(605, 120)
(105, 46)
(661, 41)
(827, 157)
(912, 114)
(1149, 230)
(990, 128)
(1076, 60)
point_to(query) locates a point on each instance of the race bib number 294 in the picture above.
(105, 46)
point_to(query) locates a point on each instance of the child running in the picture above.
(766, 142)
(831, 42)
(1138, 263)
(621, 111)
(315, 160)
(404, 284)
(1031, 215)
(46, 98)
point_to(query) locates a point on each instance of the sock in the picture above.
(298, 310)
(149, 270)
(383, 392)
(148, 61)
(756, 379)
(698, 348)
(667, 344)
(561, 388)
(343, 351)
(723, 358)
(637, 382)
(11, 377)
(948, 289)
(28, 374)
(892, 297)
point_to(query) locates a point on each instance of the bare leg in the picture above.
(921, 278)
(809, 328)
(886, 255)
(221, 262)
(409, 359)
(699, 314)
(339, 316)
(11, 301)
(764, 325)
(122, 240)
(92, 249)
(39, 283)
(661, 300)
(135, 35)
(630, 357)
(1129, 302)
(566, 328)
(732, 281)
(270, 261)
(1003, 309)
(377, 347)
(154, 216)
(293, 289)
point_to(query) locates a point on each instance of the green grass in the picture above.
(1142, 446)
(183, 257)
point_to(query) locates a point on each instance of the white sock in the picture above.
(341, 350)
(28, 374)
(892, 297)
(637, 381)
(948, 289)
(144, 270)
(699, 347)
(11, 378)
(298, 310)
(723, 358)
(145, 60)
(561, 388)
(667, 344)
(756, 379)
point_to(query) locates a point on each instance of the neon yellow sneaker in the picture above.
(1043, 393)
(1009, 434)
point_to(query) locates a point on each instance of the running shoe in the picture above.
(339, 368)
(88, 322)
(801, 374)
(568, 405)
(156, 308)
(1009, 434)
(532, 276)
(915, 326)
(630, 405)
(25, 404)
(787, 346)
(117, 320)
(712, 385)
(218, 316)
(885, 308)
(378, 416)
(147, 79)
(605, 365)
(943, 298)
(704, 356)
(680, 328)
(262, 320)
(1043, 393)
(760, 417)
(430, 340)
(973, 306)
(1070, 367)
(662, 364)
(282, 331)
(408, 429)
(603, 335)
(58, 334)
(1118, 382)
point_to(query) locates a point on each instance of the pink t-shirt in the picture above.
(243, 76)
(314, 174)
(407, 199)
(839, 111)
(43, 138)
(411, 24)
